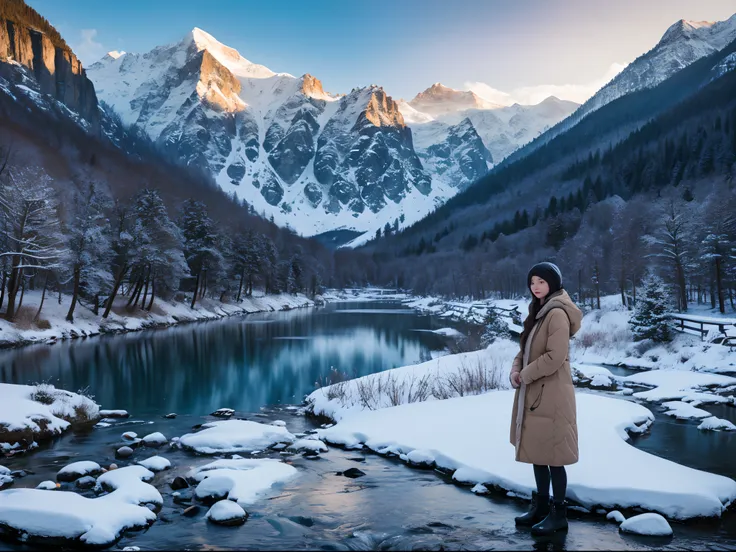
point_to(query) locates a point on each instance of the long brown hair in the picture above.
(534, 309)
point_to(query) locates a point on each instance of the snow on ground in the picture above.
(29, 412)
(234, 436)
(164, 313)
(431, 380)
(605, 338)
(679, 385)
(611, 473)
(421, 429)
(99, 521)
(239, 479)
(648, 524)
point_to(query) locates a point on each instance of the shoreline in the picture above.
(167, 314)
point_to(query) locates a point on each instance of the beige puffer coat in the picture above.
(544, 419)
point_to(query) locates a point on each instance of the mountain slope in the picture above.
(532, 180)
(682, 44)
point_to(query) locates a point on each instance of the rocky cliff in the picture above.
(56, 69)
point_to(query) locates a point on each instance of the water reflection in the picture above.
(243, 363)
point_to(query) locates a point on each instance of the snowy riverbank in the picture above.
(605, 336)
(52, 324)
(468, 437)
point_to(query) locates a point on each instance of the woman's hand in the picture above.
(515, 380)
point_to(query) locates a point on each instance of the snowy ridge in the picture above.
(682, 44)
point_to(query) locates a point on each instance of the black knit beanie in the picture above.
(549, 272)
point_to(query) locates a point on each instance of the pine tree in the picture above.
(495, 327)
(650, 320)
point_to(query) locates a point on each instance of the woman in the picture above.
(543, 422)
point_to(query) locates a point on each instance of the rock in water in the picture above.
(353, 473)
(76, 470)
(124, 452)
(155, 440)
(647, 524)
(179, 483)
(227, 512)
(616, 516)
(170, 416)
(223, 412)
(48, 485)
(114, 414)
(86, 482)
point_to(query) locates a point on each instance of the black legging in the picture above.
(559, 481)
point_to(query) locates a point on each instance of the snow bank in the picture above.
(605, 338)
(35, 412)
(431, 380)
(86, 323)
(611, 473)
(684, 411)
(37, 514)
(241, 480)
(308, 444)
(234, 436)
(679, 385)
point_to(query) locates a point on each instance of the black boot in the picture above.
(537, 511)
(555, 521)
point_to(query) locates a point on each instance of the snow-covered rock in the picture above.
(29, 413)
(76, 470)
(155, 439)
(35, 515)
(6, 478)
(156, 463)
(314, 445)
(226, 512)
(649, 524)
(683, 411)
(234, 436)
(243, 481)
(47, 485)
(616, 516)
(114, 414)
(716, 424)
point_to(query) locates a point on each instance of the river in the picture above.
(263, 364)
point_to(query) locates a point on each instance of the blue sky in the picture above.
(403, 45)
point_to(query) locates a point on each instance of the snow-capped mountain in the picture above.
(434, 113)
(682, 44)
(314, 161)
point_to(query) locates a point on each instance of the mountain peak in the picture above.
(115, 54)
(225, 55)
(439, 99)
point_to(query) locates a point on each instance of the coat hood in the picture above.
(561, 300)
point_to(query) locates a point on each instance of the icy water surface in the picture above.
(259, 365)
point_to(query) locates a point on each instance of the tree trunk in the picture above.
(249, 293)
(196, 289)
(43, 297)
(682, 285)
(75, 294)
(2, 292)
(15, 275)
(22, 293)
(137, 295)
(96, 309)
(145, 292)
(204, 285)
(240, 286)
(721, 305)
(116, 287)
(153, 292)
